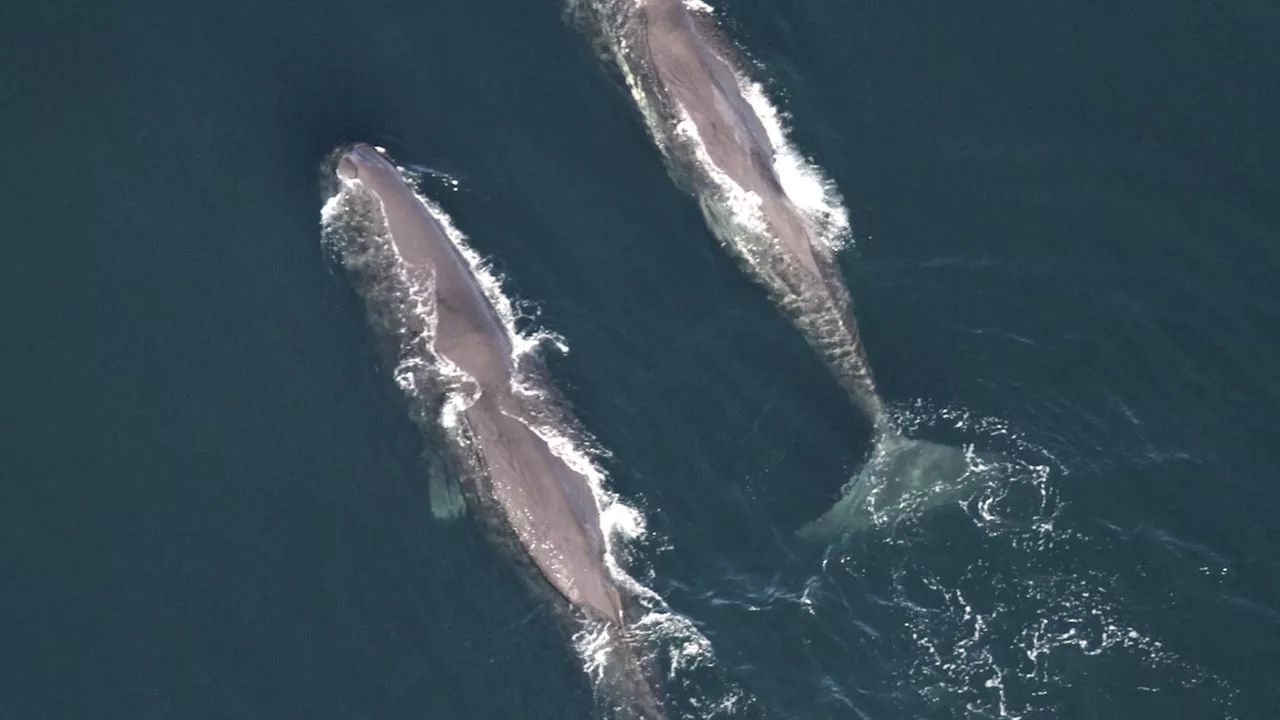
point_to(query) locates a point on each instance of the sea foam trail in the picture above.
(438, 393)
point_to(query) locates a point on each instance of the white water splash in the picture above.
(999, 624)
(807, 186)
(737, 213)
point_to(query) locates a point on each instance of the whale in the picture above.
(453, 357)
(688, 83)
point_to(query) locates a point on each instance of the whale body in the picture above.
(689, 86)
(453, 357)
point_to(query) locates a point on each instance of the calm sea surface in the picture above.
(1066, 244)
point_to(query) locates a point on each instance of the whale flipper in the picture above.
(903, 478)
(443, 489)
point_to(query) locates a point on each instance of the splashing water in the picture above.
(998, 615)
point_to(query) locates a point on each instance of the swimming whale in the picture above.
(424, 297)
(688, 85)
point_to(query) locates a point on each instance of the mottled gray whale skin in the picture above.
(681, 70)
(551, 508)
(534, 504)
(697, 77)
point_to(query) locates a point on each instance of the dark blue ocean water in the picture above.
(1066, 219)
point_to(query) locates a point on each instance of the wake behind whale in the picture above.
(777, 214)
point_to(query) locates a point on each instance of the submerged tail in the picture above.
(625, 673)
(903, 477)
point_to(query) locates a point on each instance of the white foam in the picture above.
(813, 194)
(806, 185)
(687, 654)
(1006, 654)
(618, 520)
(742, 204)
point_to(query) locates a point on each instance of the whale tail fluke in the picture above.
(902, 478)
